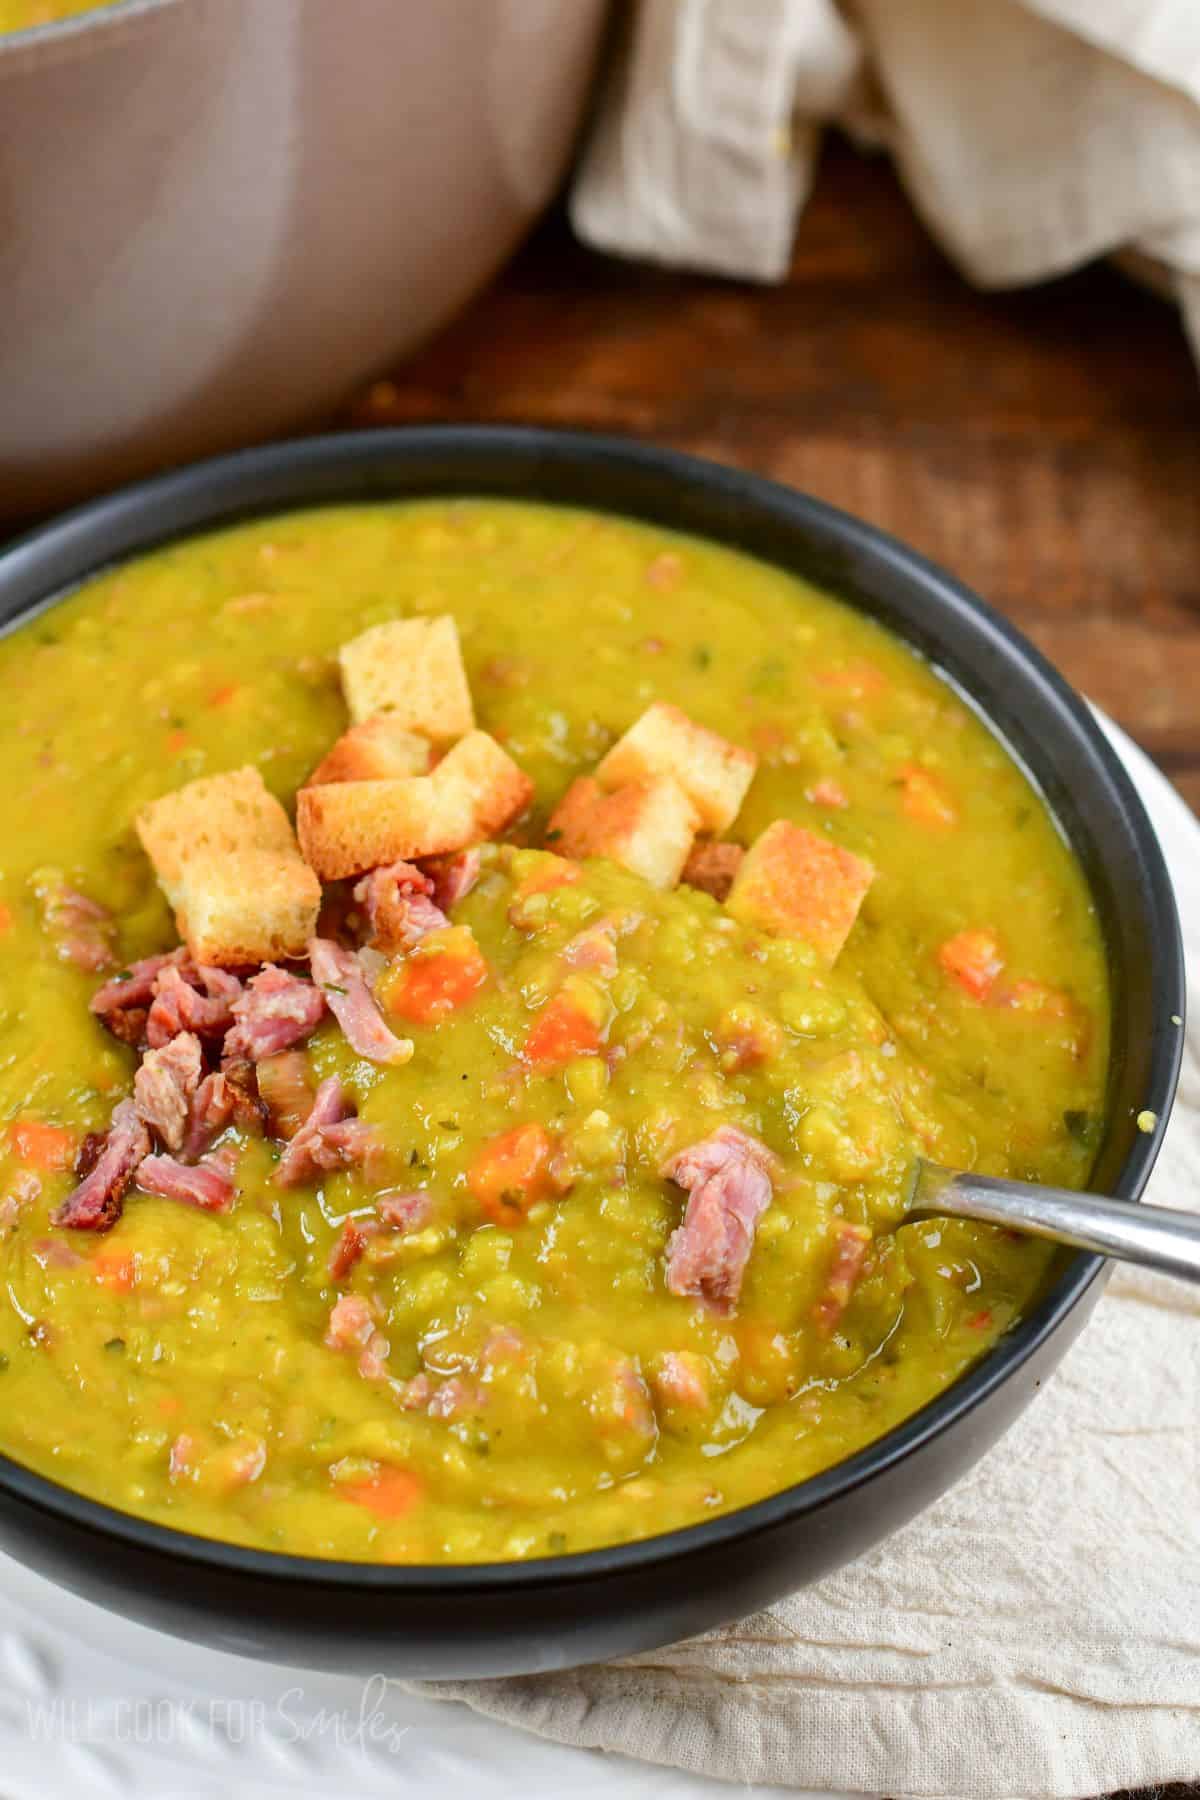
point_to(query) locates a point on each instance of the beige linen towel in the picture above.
(1032, 135)
(1036, 1633)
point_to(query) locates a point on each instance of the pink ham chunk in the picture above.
(95, 1205)
(213, 1109)
(165, 1085)
(397, 899)
(207, 1184)
(330, 1138)
(192, 997)
(81, 929)
(122, 1004)
(453, 876)
(274, 1011)
(395, 1213)
(352, 1327)
(728, 1180)
(339, 975)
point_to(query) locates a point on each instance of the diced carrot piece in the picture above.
(177, 741)
(559, 1033)
(926, 798)
(438, 978)
(512, 1172)
(850, 1253)
(389, 1494)
(826, 792)
(42, 1146)
(6, 918)
(221, 696)
(115, 1269)
(796, 882)
(981, 1320)
(974, 960)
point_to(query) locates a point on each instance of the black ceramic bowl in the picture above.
(493, 1619)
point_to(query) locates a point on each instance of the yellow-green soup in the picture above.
(177, 1366)
(20, 15)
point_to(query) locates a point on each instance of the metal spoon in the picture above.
(1151, 1235)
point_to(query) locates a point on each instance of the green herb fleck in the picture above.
(557, 1542)
(331, 987)
(117, 1343)
(552, 837)
(3, 1362)
(702, 656)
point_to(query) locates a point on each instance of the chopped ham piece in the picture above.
(849, 1255)
(330, 1138)
(249, 1110)
(404, 1212)
(728, 1179)
(207, 1184)
(82, 929)
(191, 997)
(212, 1110)
(372, 1363)
(452, 1397)
(52, 1253)
(351, 1323)
(274, 1011)
(95, 1205)
(415, 1395)
(399, 907)
(348, 1250)
(23, 1190)
(595, 948)
(133, 986)
(88, 1154)
(164, 1086)
(453, 876)
(286, 1090)
(122, 1004)
(339, 975)
(712, 867)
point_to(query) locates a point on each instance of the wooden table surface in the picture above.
(1043, 445)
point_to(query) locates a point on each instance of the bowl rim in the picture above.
(213, 485)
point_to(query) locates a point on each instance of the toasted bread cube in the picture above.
(217, 816)
(712, 772)
(250, 907)
(412, 669)
(483, 775)
(348, 826)
(647, 826)
(380, 749)
(792, 882)
(712, 867)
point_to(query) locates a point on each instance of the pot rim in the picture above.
(48, 562)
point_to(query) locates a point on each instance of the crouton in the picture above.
(793, 882)
(349, 826)
(226, 858)
(712, 867)
(713, 773)
(255, 906)
(646, 826)
(478, 771)
(380, 749)
(412, 669)
(216, 816)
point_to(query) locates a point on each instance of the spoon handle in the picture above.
(1151, 1235)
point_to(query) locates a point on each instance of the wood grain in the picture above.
(1044, 445)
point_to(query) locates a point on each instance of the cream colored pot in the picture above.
(218, 216)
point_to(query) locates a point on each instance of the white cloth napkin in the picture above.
(1035, 1633)
(1032, 135)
